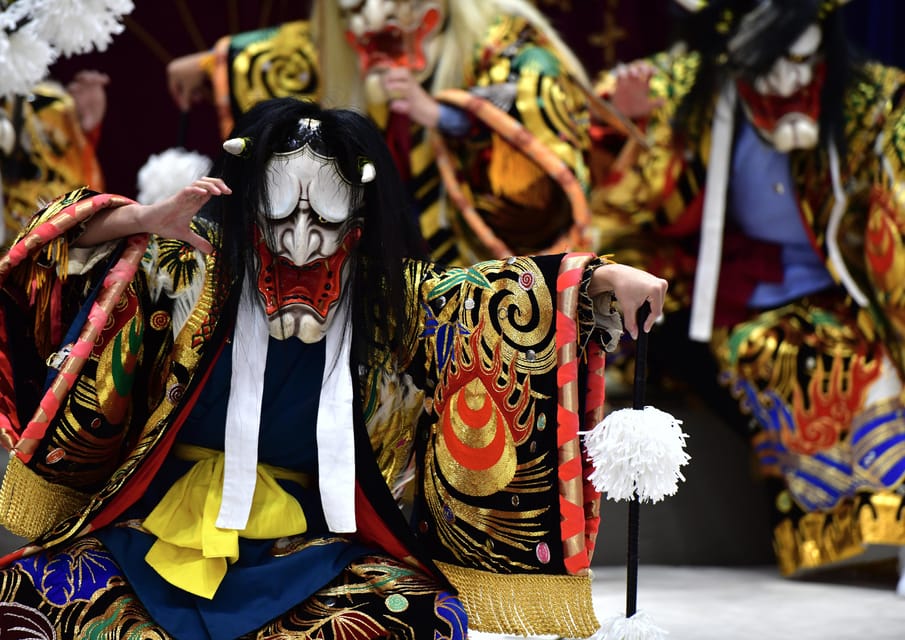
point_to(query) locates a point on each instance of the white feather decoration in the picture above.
(638, 627)
(14, 14)
(165, 173)
(79, 26)
(33, 33)
(637, 452)
(24, 61)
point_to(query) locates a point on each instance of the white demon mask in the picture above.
(311, 234)
(784, 103)
(395, 33)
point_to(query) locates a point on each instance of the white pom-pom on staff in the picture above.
(637, 452)
(24, 58)
(33, 33)
(638, 627)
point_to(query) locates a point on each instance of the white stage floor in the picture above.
(721, 603)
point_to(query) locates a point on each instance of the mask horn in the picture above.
(237, 146)
(368, 172)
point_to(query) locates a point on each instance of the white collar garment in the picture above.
(335, 436)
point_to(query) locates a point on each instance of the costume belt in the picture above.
(191, 552)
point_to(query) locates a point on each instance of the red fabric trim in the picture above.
(746, 262)
(594, 410)
(567, 425)
(11, 557)
(115, 283)
(596, 395)
(569, 468)
(572, 516)
(57, 225)
(372, 530)
(8, 414)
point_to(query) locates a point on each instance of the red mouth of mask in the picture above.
(316, 284)
(394, 46)
(765, 111)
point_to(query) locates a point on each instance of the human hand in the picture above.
(632, 288)
(187, 80)
(88, 91)
(408, 97)
(172, 217)
(631, 93)
(169, 218)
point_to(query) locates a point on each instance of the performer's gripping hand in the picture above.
(89, 92)
(631, 94)
(407, 96)
(187, 81)
(632, 288)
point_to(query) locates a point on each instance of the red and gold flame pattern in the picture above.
(834, 398)
(489, 464)
(484, 414)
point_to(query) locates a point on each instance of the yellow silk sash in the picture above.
(191, 552)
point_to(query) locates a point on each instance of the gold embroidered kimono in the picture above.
(802, 372)
(501, 373)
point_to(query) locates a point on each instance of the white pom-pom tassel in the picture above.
(24, 60)
(79, 26)
(166, 173)
(638, 627)
(637, 452)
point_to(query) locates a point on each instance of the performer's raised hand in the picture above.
(169, 218)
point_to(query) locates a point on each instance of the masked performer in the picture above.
(482, 104)
(215, 425)
(769, 197)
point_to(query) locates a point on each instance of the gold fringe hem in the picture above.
(525, 604)
(30, 505)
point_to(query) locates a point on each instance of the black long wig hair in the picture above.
(745, 37)
(381, 207)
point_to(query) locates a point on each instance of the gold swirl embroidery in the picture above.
(485, 410)
(283, 65)
(513, 298)
(469, 531)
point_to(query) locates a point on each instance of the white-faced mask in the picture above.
(390, 33)
(784, 103)
(304, 254)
